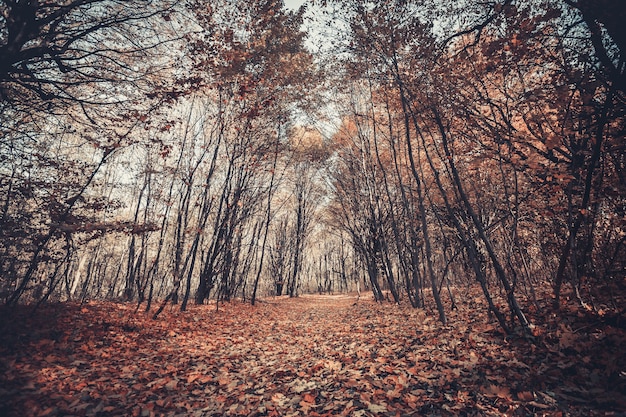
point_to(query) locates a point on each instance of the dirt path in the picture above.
(314, 355)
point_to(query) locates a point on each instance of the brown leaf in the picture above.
(309, 398)
(495, 391)
(525, 396)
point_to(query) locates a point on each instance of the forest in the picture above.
(428, 196)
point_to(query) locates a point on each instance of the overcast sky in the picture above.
(294, 4)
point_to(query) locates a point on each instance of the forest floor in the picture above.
(312, 355)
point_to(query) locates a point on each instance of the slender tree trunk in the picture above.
(500, 273)
(268, 214)
(422, 209)
(573, 231)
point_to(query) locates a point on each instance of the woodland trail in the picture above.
(313, 355)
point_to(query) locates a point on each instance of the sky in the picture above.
(294, 4)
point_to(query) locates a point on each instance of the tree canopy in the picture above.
(160, 151)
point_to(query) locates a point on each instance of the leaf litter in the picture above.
(313, 355)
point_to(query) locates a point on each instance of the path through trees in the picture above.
(313, 355)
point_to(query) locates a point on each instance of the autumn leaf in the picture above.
(172, 385)
(309, 398)
(377, 408)
(495, 391)
(525, 396)
(229, 373)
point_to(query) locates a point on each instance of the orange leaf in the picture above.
(204, 379)
(494, 391)
(172, 385)
(525, 396)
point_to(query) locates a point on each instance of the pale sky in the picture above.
(293, 4)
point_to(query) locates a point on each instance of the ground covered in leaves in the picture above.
(314, 355)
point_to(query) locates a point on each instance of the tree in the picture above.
(603, 20)
(512, 106)
(559, 111)
(66, 70)
(57, 55)
(308, 155)
(98, 72)
(356, 210)
(263, 66)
